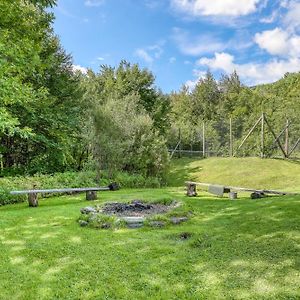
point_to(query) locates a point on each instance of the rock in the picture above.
(105, 225)
(157, 224)
(87, 210)
(83, 223)
(113, 186)
(185, 235)
(178, 220)
(134, 222)
(135, 225)
(130, 220)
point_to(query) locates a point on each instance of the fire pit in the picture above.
(135, 208)
(134, 214)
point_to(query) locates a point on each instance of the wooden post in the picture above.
(294, 147)
(180, 146)
(230, 138)
(203, 139)
(91, 195)
(249, 133)
(281, 133)
(33, 200)
(274, 135)
(286, 145)
(191, 190)
(232, 195)
(262, 135)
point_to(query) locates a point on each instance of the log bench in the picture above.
(91, 192)
(220, 190)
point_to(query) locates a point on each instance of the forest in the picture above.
(53, 119)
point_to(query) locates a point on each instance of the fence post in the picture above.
(231, 139)
(203, 140)
(286, 146)
(180, 146)
(262, 134)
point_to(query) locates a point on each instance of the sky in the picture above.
(179, 40)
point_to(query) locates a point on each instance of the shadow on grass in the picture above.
(243, 249)
(182, 172)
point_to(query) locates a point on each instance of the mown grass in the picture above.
(245, 172)
(243, 249)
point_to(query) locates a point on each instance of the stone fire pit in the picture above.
(135, 214)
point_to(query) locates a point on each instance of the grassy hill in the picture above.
(245, 172)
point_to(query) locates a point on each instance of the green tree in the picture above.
(39, 99)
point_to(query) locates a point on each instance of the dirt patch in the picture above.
(136, 208)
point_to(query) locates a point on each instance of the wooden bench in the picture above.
(220, 190)
(91, 192)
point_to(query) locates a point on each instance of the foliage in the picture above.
(123, 121)
(214, 103)
(39, 98)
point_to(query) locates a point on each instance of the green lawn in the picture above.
(243, 249)
(245, 172)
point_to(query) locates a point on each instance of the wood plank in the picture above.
(66, 190)
(242, 189)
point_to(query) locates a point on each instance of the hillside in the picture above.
(245, 172)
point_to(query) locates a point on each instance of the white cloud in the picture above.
(172, 60)
(196, 45)
(215, 7)
(153, 4)
(270, 19)
(100, 58)
(274, 41)
(143, 54)
(292, 18)
(150, 53)
(279, 42)
(92, 3)
(252, 73)
(190, 84)
(156, 50)
(79, 68)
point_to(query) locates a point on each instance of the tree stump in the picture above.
(91, 195)
(191, 190)
(33, 199)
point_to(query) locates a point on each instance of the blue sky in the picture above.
(178, 40)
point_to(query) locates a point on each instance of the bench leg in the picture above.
(91, 195)
(191, 190)
(33, 200)
(233, 195)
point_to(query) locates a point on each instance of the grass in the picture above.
(244, 172)
(243, 249)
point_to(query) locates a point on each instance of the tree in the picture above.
(39, 95)
(122, 107)
(205, 98)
